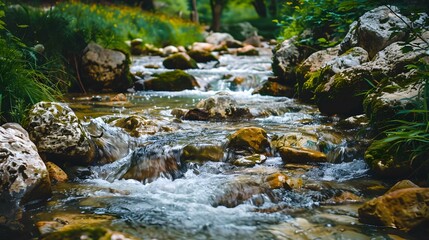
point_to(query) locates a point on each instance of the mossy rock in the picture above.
(386, 164)
(171, 81)
(202, 56)
(344, 93)
(201, 153)
(179, 61)
(271, 88)
(95, 233)
(385, 103)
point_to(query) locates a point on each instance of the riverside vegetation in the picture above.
(215, 137)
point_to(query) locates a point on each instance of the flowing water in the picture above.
(208, 200)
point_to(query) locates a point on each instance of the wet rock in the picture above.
(202, 56)
(112, 145)
(405, 209)
(294, 155)
(250, 161)
(247, 50)
(179, 61)
(239, 191)
(176, 80)
(59, 135)
(78, 226)
(170, 50)
(250, 140)
(271, 88)
(234, 44)
(202, 153)
(277, 180)
(202, 47)
(253, 41)
(344, 198)
(216, 38)
(56, 174)
(296, 140)
(23, 176)
(376, 29)
(197, 114)
(179, 113)
(223, 106)
(285, 60)
(119, 98)
(104, 69)
(152, 162)
(137, 126)
(402, 185)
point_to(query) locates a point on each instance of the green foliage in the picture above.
(408, 134)
(111, 25)
(20, 85)
(328, 20)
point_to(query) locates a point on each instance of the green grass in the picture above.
(112, 25)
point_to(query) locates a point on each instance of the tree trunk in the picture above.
(194, 11)
(217, 8)
(273, 8)
(147, 5)
(260, 8)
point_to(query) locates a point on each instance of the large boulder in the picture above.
(152, 162)
(314, 73)
(23, 175)
(404, 209)
(216, 38)
(59, 135)
(376, 29)
(104, 69)
(179, 61)
(249, 140)
(285, 60)
(202, 56)
(343, 93)
(223, 106)
(176, 80)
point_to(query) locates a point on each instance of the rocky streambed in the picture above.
(215, 161)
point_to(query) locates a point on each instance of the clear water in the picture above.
(188, 207)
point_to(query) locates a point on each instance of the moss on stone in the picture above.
(202, 56)
(79, 233)
(179, 61)
(176, 80)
